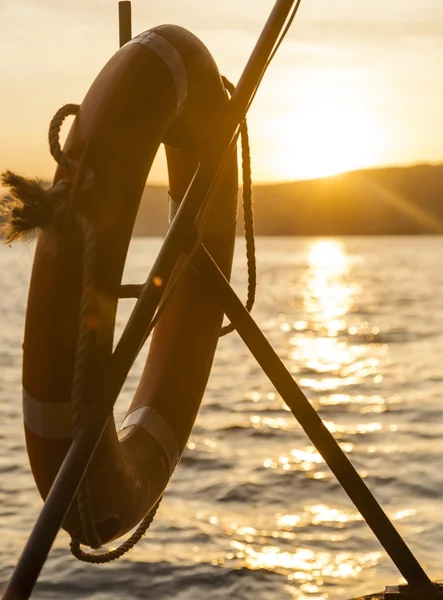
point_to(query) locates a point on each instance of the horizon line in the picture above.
(276, 182)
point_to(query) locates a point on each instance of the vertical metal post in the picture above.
(124, 21)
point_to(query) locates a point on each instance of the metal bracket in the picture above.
(405, 592)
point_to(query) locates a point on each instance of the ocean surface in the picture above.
(253, 512)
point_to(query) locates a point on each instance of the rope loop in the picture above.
(106, 557)
(54, 137)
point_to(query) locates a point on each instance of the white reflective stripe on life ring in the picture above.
(172, 59)
(150, 420)
(47, 420)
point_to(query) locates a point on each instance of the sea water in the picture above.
(252, 511)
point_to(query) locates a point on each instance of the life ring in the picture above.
(161, 87)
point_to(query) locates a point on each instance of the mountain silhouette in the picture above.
(394, 200)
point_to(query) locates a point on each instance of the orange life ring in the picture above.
(162, 87)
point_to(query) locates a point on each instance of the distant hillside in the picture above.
(403, 200)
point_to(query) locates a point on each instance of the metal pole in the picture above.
(124, 21)
(178, 238)
(314, 427)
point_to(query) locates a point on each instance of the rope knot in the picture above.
(30, 205)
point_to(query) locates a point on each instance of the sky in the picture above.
(355, 84)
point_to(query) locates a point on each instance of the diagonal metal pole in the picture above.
(179, 236)
(312, 424)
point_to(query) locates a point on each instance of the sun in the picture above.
(331, 130)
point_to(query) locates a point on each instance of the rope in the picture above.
(30, 205)
(54, 137)
(248, 215)
(62, 159)
(106, 557)
(80, 367)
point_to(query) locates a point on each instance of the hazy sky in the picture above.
(356, 83)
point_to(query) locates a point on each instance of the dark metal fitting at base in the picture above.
(406, 592)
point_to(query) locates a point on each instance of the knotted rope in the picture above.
(31, 205)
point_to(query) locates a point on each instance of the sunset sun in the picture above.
(330, 132)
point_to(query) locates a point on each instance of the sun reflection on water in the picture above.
(330, 347)
(328, 293)
(306, 569)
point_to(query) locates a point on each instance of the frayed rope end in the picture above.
(28, 207)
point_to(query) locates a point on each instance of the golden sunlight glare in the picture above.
(331, 130)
